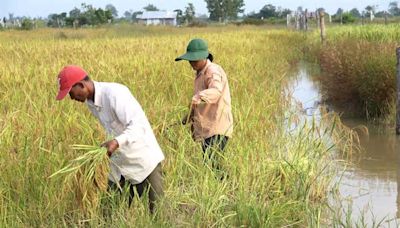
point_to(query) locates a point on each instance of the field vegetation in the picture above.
(276, 177)
(358, 66)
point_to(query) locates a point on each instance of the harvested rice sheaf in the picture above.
(86, 176)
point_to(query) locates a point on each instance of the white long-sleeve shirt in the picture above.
(123, 119)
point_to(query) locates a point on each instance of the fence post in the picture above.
(398, 93)
(305, 20)
(301, 19)
(288, 20)
(386, 18)
(322, 25)
(341, 17)
(362, 18)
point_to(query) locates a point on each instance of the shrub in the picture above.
(27, 24)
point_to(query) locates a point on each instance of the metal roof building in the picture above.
(158, 18)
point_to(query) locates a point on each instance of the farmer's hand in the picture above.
(196, 99)
(111, 146)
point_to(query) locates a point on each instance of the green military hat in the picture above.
(197, 49)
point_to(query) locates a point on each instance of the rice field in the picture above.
(275, 179)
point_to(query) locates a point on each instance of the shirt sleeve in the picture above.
(130, 114)
(213, 93)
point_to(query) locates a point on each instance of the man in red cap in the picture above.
(134, 151)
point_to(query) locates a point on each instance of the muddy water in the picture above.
(370, 182)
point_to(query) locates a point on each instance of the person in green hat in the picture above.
(210, 115)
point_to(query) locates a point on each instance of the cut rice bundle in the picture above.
(87, 177)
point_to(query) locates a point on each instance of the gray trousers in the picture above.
(153, 184)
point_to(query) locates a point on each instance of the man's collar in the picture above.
(97, 95)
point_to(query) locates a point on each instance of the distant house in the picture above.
(157, 18)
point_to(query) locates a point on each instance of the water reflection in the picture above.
(371, 184)
(305, 92)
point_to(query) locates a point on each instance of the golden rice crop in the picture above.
(87, 176)
(274, 177)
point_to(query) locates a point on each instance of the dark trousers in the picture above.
(212, 146)
(153, 184)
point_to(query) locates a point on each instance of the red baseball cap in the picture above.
(67, 78)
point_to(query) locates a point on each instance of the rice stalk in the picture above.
(86, 175)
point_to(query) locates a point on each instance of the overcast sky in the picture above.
(42, 8)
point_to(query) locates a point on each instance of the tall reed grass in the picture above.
(358, 66)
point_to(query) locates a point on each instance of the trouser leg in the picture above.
(156, 191)
(109, 203)
(114, 187)
(153, 184)
(140, 188)
(212, 146)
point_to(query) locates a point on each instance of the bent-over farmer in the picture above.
(211, 115)
(135, 154)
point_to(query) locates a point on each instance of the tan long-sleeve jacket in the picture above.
(212, 114)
